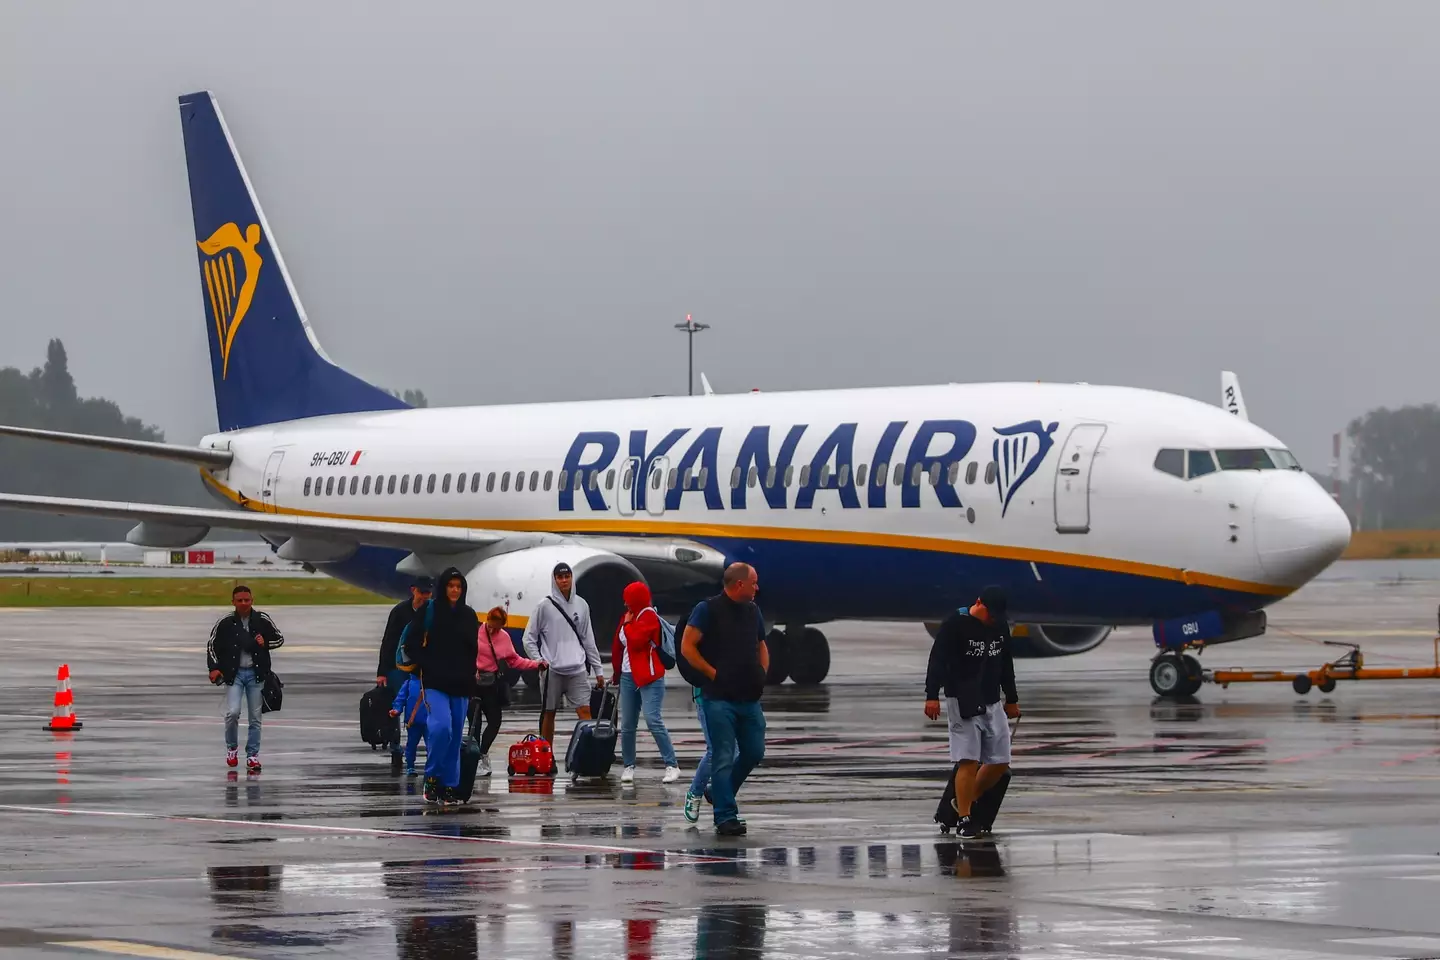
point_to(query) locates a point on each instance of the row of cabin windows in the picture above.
(686, 479)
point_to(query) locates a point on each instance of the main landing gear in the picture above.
(802, 653)
(1175, 675)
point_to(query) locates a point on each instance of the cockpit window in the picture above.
(1171, 462)
(1285, 460)
(1245, 460)
(1200, 463)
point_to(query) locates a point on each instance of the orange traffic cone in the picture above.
(63, 717)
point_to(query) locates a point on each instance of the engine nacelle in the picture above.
(1054, 640)
(520, 580)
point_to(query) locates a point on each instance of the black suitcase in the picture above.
(469, 764)
(592, 746)
(603, 702)
(983, 811)
(377, 727)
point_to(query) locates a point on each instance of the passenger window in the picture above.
(490, 482)
(844, 475)
(860, 475)
(971, 471)
(673, 474)
(915, 475)
(405, 483)
(654, 479)
(789, 476)
(444, 484)
(366, 488)
(770, 478)
(953, 476)
(882, 470)
(307, 486)
(354, 485)
(991, 469)
(824, 474)
(685, 479)
(935, 475)
(549, 479)
(1171, 462)
(899, 474)
(735, 478)
(805, 475)
(379, 485)
(610, 480)
(534, 480)
(753, 478)
(505, 482)
(390, 485)
(475, 483)
(704, 478)
(430, 486)
(594, 479)
(1200, 463)
(329, 486)
(627, 480)
(419, 478)
(564, 479)
(579, 480)
(340, 488)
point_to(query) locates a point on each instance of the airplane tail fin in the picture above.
(1230, 397)
(267, 364)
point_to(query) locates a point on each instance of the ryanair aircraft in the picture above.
(1092, 505)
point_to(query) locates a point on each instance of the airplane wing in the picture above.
(321, 539)
(1230, 396)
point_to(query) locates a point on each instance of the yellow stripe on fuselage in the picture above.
(622, 527)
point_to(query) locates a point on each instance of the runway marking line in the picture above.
(127, 948)
(354, 831)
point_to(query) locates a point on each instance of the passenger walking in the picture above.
(446, 658)
(409, 705)
(971, 660)
(641, 678)
(491, 690)
(725, 641)
(560, 633)
(386, 673)
(238, 656)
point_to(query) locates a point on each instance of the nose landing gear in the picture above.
(1175, 675)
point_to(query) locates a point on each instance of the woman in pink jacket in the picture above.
(495, 648)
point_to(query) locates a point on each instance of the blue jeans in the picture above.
(701, 781)
(736, 733)
(247, 688)
(651, 697)
(445, 729)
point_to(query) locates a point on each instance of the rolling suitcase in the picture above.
(983, 811)
(592, 745)
(469, 764)
(377, 727)
(533, 756)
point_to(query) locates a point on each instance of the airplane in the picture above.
(1093, 506)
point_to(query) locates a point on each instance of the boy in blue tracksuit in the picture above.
(415, 726)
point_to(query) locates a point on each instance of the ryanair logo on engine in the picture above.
(231, 268)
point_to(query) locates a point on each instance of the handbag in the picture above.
(488, 678)
(272, 693)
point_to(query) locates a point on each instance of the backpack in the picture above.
(408, 649)
(690, 674)
(665, 649)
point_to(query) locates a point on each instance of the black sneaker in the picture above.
(432, 790)
(968, 829)
(730, 828)
(451, 797)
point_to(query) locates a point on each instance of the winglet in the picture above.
(705, 384)
(1230, 397)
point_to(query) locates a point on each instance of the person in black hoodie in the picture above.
(971, 659)
(446, 658)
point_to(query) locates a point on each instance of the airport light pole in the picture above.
(690, 328)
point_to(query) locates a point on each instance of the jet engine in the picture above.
(1054, 640)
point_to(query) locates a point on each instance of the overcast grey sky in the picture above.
(516, 202)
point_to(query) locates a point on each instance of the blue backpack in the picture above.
(666, 649)
(407, 650)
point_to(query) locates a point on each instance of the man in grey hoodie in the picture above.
(560, 633)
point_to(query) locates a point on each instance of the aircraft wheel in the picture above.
(1301, 684)
(779, 646)
(1327, 685)
(1194, 676)
(810, 658)
(1167, 676)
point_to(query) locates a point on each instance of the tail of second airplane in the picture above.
(264, 357)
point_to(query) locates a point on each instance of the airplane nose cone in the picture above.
(1299, 529)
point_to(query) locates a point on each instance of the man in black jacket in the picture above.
(971, 660)
(238, 656)
(386, 673)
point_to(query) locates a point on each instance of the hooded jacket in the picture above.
(639, 635)
(568, 647)
(447, 658)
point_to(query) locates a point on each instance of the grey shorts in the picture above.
(985, 738)
(574, 687)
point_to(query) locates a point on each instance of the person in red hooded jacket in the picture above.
(641, 678)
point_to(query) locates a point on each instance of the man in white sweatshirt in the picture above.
(560, 633)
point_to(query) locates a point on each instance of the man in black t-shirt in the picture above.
(725, 641)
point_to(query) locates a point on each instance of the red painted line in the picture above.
(1411, 757)
(1218, 751)
(1317, 753)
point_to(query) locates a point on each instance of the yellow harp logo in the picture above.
(229, 299)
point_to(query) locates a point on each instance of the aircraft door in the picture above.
(271, 478)
(630, 492)
(1072, 478)
(655, 486)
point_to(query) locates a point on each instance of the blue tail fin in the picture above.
(266, 362)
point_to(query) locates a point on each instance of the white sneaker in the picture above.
(671, 775)
(484, 769)
(628, 776)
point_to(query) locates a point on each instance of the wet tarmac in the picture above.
(1248, 822)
